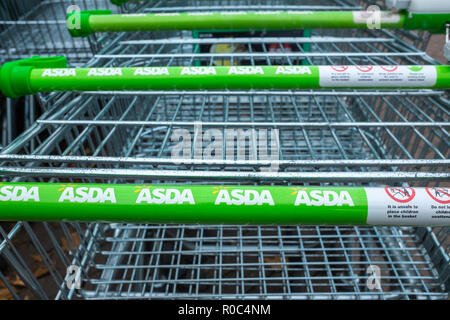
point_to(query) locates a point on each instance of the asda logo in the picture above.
(293, 70)
(18, 193)
(323, 198)
(246, 70)
(193, 71)
(165, 196)
(59, 73)
(244, 197)
(85, 194)
(97, 72)
(153, 71)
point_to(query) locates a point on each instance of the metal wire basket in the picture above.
(38, 27)
(86, 137)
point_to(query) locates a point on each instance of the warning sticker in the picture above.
(389, 68)
(406, 206)
(377, 76)
(440, 195)
(364, 68)
(339, 68)
(399, 194)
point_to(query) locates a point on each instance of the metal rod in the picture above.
(321, 176)
(247, 124)
(183, 161)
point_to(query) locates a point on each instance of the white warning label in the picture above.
(377, 76)
(384, 16)
(408, 206)
(440, 195)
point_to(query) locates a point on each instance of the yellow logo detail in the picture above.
(66, 185)
(139, 188)
(296, 190)
(217, 189)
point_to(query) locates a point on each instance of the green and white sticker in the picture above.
(377, 76)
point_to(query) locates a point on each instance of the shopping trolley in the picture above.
(37, 27)
(363, 138)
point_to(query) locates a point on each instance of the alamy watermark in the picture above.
(74, 20)
(374, 17)
(374, 279)
(231, 145)
(73, 280)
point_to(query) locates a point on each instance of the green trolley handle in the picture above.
(84, 23)
(225, 204)
(119, 2)
(37, 74)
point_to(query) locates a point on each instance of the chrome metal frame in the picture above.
(337, 137)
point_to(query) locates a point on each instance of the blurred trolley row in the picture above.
(141, 261)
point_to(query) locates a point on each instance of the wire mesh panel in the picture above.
(324, 138)
(35, 257)
(262, 262)
(16, 116)
(38, 27)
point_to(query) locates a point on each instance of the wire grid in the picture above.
(30, 28)
(367, 135)
(38, 27)
(262, 262)
(35, 256)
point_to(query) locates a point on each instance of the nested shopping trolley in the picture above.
(37, 28)
(303, 164)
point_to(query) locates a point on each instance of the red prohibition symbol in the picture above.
(441, 195)
(339, 68)
(364, 68)
(389, 68)
(400, 194)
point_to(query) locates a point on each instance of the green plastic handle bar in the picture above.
(119, 2)
(29, 76)
(225, 204)
(84, 23)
